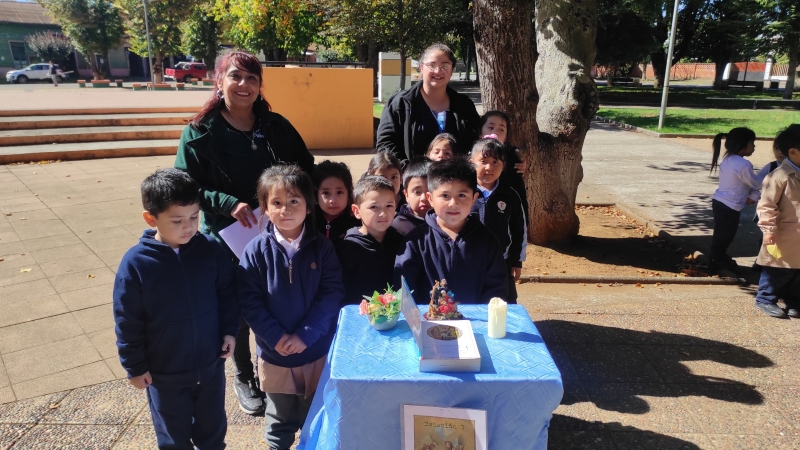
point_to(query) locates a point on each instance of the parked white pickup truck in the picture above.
(33, 72)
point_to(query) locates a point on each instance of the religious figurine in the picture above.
(442, 306)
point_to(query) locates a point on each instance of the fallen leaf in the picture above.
(89, 231)
(90, 276)
(2, 259)
(22, 218)
(639, 285)
(24, 270)
(545, 273)
(599, 285)
(8, 214)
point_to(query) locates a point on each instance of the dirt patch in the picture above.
(611, 244)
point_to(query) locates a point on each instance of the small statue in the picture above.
(443, 305)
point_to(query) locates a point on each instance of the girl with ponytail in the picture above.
(738, 186)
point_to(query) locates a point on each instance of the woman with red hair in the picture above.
(225, 148)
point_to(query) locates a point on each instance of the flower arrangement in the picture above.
(443, 305)
(382, 310)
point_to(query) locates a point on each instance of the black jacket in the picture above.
(225, 172)
(406, 220)
(503, 215)
(367, 265)
(336, 229)
(510, 176)
(401, 129)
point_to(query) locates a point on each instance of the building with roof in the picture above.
(19, 19)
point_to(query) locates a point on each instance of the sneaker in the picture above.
(770, 309)
(249, 396)
(793, 312)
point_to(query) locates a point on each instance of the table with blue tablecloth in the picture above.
(370, 375)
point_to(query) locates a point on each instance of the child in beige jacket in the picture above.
(779, 220)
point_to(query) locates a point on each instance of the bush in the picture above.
(50, 46)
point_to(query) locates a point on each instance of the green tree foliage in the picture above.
(50, 46)
(625, 35)
(276, 27)
(782, 35)
(202, 34)
(728, 31)
(94, 26)
(165, 18)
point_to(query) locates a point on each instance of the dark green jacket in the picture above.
(205, 154)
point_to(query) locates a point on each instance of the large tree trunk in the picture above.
(719, 71)
(106, 65)
(158, 66)
(549, 124)
(791, 75)
(659, 61)
(403, 58)
(566, 32)
(372, 62)
(468, 62)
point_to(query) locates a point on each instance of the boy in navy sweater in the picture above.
(500, 208)
(176, 315)
(415, 183)
(452, 244)
(367, 253)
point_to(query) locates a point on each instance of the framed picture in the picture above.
(434, 428)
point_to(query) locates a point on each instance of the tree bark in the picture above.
(791, 74)
(566, 33)
(468, 62)
(403, 58)
(106, 65)
(659, 61)
(373, 56)
(158, 65)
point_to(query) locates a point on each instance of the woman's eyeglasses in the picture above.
(444, 67)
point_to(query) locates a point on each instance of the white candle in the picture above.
(497, 318)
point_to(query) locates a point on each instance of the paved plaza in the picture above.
(657, 367)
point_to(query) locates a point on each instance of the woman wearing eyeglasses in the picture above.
(412, 118)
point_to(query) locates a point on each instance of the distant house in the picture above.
(21, 19)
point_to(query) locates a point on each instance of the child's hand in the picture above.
(295, 344)
(280, 347)
(142, 381)
(749, 201)
(228, 344)
(516, 271)
(521, 166)
(769, 239)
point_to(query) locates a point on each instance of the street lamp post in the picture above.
(149, 51)
(665, 94)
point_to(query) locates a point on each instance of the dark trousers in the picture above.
(285, 414)
(241, 353)
(778, 282)
(512, 287)
(726, 224)
(189, 416)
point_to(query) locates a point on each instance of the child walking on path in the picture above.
(176, 316)
(290, 289)
(779, 220)
(738, 186)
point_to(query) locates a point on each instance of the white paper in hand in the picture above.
(237, 236)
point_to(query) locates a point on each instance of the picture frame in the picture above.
(437, 428)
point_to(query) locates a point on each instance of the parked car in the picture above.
(185, 71)
(33, 72)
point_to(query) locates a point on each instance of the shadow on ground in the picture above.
(636, 252)
(646, 361)
(569, 433)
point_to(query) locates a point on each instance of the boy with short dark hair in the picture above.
(176, 315)
(500, 208)
(415, 186)
(452, 244)
(367, 253)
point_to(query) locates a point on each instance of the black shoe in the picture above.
(249, 396)
(793, 312)
(770, 309)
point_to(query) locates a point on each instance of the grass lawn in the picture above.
(377, 109)
(766, 122)
(680, 96)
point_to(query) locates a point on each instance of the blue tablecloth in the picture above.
(369, 375)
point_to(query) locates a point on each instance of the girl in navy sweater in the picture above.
(289, 290)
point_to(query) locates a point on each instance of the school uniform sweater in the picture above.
(406, 220)
(472, 263)
(172, 310)
(336, 229)
(501, 212)
(510, 177)
(367, 265)
(779, 215)
(299, 295)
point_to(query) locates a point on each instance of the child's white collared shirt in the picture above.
(737, 182)
(290, 247)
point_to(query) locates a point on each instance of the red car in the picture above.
(185, 71)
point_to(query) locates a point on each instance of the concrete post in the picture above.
(389, 74)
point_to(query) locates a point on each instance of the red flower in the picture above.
(446, 308)
(363, 308)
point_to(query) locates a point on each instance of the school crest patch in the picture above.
(501, 206)
(313, 265)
